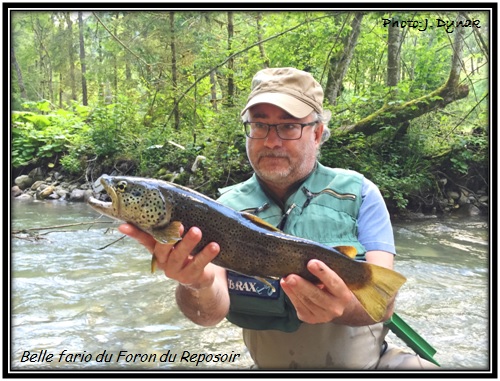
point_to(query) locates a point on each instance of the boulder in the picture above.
(24, 181)
(15, 191)
(24, 196)
(77, 195)
(36, 174)
(46, 192)
(36, 184)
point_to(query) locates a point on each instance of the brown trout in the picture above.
(249, 245)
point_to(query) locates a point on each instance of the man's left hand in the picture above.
(321, 303)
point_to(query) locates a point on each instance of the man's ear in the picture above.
(319, 132)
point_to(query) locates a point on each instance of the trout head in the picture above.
(133, 200)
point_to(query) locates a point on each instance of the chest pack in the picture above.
(323, 209)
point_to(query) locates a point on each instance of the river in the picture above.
(75, 305)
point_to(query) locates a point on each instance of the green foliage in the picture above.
(132, 92)
(470, 152)
(112, 128)
(217, 148)
(397, 168)
(45, 138)
(72, 164)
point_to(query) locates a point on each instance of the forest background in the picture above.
(159, 93)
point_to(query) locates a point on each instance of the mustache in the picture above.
(272, 154)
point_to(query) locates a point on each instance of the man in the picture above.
(299, 324)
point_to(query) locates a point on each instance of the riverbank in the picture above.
(56, 186)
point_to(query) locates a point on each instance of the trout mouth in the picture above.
(109, 208)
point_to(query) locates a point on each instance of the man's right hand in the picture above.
(176, 261)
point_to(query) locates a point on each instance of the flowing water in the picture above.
(77, 305)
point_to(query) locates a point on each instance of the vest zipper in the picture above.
(282, 223)
(257, 210)
(310, 195)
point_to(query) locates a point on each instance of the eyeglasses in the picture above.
(285, 131)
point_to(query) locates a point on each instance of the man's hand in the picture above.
(332, 300)
(176, 261)
(319, 303)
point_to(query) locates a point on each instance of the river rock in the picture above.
(453, 195)
(53, 196)
(15, 191)
(24, 181)
(61, 192)
(57, 176)
(77, 195)
(37, 184)
(36, 174)
(469, 210)
(24, 196)
(464, 198)
(80, 195)
(88, 193)
(45, 192)
(72, 187)
(484, 199)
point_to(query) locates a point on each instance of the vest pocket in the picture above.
(251, 296)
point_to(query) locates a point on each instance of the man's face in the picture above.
(282, 162)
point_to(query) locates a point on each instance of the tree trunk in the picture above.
(393, 56)
(174, 71)
(45, 64)
(20, 81)
(82, 60)
(395, 114)
(339, 63)
(265, 60)
(456, 61)
(115, 59)
(60, 91)
(213, 90)
(71, 55)
(230, 62)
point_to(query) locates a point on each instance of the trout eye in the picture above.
(121, 186)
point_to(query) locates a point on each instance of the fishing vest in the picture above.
(324, 209)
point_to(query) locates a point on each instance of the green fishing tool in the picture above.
(402, 330)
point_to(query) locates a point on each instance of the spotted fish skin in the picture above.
(248, 245)
(146, 207)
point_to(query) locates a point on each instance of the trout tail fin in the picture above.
(376, 295)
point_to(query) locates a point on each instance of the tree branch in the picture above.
(60, 226)
(395, 114)
(121, 43)
(231, 57)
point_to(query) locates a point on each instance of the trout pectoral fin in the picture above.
(348, 251)
(376, 294)
(259, 222)
(153, 264)
(169, 234)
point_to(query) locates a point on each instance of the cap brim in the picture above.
(291, 105)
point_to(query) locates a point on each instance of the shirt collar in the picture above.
(291, 190)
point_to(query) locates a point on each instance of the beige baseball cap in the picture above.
(293, 90)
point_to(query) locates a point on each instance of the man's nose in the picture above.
(273, 140)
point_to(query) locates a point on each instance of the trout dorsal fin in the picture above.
(348, 251)
(260, 222)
